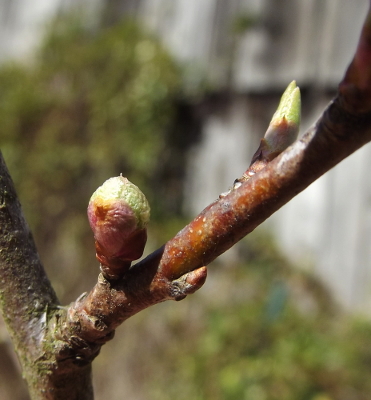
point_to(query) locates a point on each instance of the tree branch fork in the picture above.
(57, 344)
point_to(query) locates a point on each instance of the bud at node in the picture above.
(118, 214)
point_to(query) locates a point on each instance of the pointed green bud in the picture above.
(289, 106)
(118, 214)
(284, 126)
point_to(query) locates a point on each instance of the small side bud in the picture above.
(118, 214)
(281, 133)
(283, 129)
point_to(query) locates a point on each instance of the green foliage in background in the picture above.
(93, 103)
(259, 330)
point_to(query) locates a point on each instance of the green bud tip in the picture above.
(117, 211)
(284, 126)
(120, 189)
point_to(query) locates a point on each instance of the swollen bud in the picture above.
(118, 214)
(282, 130)
(281, 133)
(284, 126)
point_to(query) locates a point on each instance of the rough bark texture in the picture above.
(27, 301)
(56, 345)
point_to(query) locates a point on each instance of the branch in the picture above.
(177, 268)
(355, 88)
(56, 345)
(27, 298)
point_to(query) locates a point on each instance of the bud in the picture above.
(284, 126)
(118, 214)
(282, 130)
(281, 133)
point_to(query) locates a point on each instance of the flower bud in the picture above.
(118, 214)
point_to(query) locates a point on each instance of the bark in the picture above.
(27, 301)
(56, 345)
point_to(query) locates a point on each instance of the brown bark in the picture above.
(27, 302)
(57, 345)
(165, 274)
(161, 276)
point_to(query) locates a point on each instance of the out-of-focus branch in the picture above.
(355, 88)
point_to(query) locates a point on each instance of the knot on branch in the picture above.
(187, 284)
(75, 351)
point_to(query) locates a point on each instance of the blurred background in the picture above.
(175, 95)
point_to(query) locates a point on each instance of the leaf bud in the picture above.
(284, 126)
